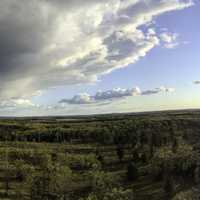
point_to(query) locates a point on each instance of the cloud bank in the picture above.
(46, 43)
(114, 94)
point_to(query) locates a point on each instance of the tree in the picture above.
(99, 156)
(132, 171)
(101, 183)
(197, 174)
(51, 183)
(120, 152)
(168, 186)
(191, 194)
(152, 144)
(113, 194)
(22, 170)
(174, 145)
(37, 188)
(143, 157)
(8, 171)
(8, 177)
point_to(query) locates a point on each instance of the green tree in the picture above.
(119, 194)
(135, 155)
(113, 194)
(132, 171)
(197, 174)
(51, 183)
(168, 186)
(99, 156)
(120, 152)
(7, 179)
(174, 145)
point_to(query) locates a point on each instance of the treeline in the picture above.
(123, 131)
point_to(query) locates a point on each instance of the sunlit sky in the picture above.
(85, 57)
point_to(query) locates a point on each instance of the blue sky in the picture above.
(159, 78)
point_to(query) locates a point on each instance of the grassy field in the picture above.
(119, 156)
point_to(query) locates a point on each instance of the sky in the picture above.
(91, 57)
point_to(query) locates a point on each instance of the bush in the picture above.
(82, 162)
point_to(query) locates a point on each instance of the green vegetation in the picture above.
(105, 157)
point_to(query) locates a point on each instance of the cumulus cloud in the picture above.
(116, 93)
(48, 43)
(83, 98)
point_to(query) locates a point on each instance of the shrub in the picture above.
(82, 162)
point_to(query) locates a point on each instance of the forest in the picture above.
(142, 156)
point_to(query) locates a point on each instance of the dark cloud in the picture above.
(24, 32)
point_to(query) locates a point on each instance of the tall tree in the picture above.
(132, 171)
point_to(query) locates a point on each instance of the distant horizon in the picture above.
(102, 114)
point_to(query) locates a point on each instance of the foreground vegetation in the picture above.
(105, 157)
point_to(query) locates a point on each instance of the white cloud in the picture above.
(151, 31)
(17, 103)
(83, 98)
(73, 42)
(114, 94)
(169, 39)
